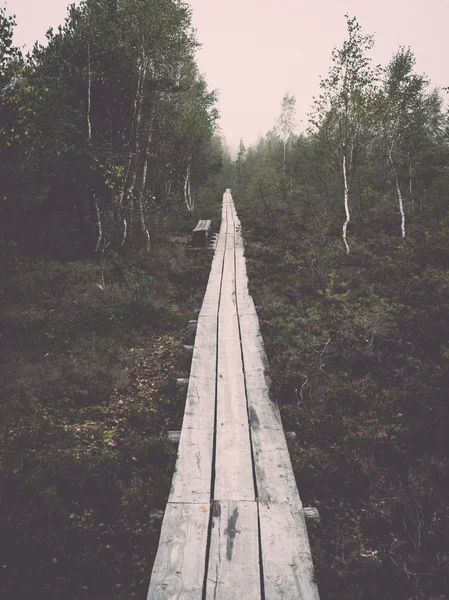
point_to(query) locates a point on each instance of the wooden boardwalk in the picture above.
(234, 524)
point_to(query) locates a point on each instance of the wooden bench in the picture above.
(201, 234)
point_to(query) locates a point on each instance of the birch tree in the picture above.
(341, 116)
(286, 121)
(403, 109)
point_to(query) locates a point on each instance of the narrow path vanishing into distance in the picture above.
(234, 526)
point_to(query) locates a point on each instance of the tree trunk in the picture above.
(283, 168)
(125, 231)
(144, 224)
(142, 189)
(262, 195)
(187, 195)
(398, 191)
(89, 90)
(99, 223)
(348, 214)
(410, 186)
(134, 144)
(145, 162)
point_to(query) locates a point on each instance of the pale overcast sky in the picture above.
(255, 50)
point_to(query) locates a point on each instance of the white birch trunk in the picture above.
(398, 192)
(410, 187)
(99, 224)
(145, 163)
(142, 191)
(187, 194)
(144, 225)
(348, 214)
(135, 126)
(125, 231)
(191, 198)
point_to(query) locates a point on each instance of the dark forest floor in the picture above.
(358, 357)
(88, 395)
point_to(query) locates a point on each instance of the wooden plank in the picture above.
(257, 382)
(274, 473)
(200, 401)
(206, 331)
(244, 300)
(233, 463)
(234, 570)
(192, 477)
(178, 572)
(228, 295)
(286, 557)
(212, 295)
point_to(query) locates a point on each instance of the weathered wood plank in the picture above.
(212, 295)
(228, 295)
(192, 477)
(233, 463)
(200, 401)
(178, 572)
(244, 300)
(234, 570)
(274, 473)
(206, 331)
(287, 562)
(257, 381)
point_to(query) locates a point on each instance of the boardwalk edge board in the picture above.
(234, 526)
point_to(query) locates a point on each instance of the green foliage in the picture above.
(87, 386)
(102, 128)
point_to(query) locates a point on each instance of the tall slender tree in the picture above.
(341, 116)
(286, 121)
(403, 110)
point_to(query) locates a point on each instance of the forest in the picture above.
(110, 152)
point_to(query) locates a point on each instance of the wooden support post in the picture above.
(173, 436)
(191, 331)
(311, 515)
(182, 384)
(156, 514)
